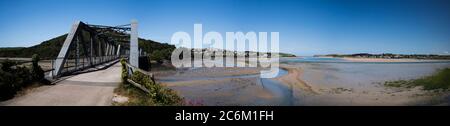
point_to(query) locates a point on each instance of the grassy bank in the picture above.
(439, 80)
(159, 95)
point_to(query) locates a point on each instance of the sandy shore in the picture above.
(242, 86)
(390, 60)
(293, 79)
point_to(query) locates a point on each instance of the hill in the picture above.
(49, 49)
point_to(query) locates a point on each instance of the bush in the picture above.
(167, 96)
(7, 65)
(159, 95)
(145, 81)
(7, 87)
(124, 71)
(36, 71)
(158, 56)
(12, 79)
(161, 55)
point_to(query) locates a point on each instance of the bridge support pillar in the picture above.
(134, 49)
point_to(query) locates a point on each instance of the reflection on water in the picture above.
(281, 72)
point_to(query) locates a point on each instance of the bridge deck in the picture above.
(88, 89)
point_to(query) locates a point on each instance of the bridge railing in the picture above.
(77, 64)
(131, 69)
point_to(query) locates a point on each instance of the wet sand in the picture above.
(338, 95)
(293, 79)
(221, 86)
(231, 91)
(242, 86)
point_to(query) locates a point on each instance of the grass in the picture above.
(439, 80)
(136, 97)
(159, 95)
(398, 83)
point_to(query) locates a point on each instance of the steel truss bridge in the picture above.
(88, 45)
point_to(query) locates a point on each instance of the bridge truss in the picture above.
(88, 45)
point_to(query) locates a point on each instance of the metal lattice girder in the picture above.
(100, 44)
(107, 49)
(61, 59)
(118, 51)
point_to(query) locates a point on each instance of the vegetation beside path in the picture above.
(14, 78)
(159, 95)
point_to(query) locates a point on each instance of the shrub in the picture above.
(36, 71)
(167, 96)
(161, 55)
(145, 81)
(158, 56)
(7, 87)
(12, 79)
(124, 71)
(7, 65)
(161, 95)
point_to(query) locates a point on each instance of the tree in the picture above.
(158, 56)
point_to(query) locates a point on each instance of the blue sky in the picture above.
(306, 27)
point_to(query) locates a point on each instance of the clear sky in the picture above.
(305, 27)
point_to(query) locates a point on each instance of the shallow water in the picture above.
(191, 78)
(338, 73)
(281, 91)
(311, 59)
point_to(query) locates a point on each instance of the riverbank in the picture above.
(380, 60)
